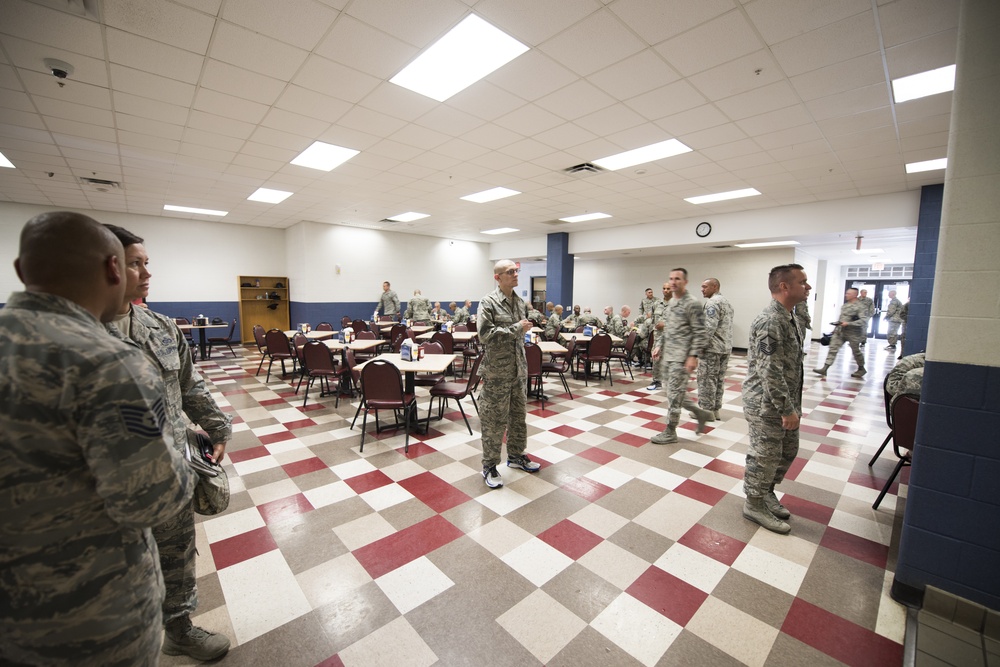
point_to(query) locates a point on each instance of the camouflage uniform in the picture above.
(615, 326)
(502, 403)
(771, 390)
(869, 305)
(186, 394)
(803, 320)
(570, 323)
(899, 380)
(904, 315)
(715, 358)
(646, 306)
(535, 316)
(893, 315)
(853, 333)
(461, 315)
(87, 464)
(553, 326)
(587, 319)
(388, 303)
(659, 315)
(419, 309)
(683, 336)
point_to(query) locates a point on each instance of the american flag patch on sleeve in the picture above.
(143, 421)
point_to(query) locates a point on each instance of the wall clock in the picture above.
(703, 229)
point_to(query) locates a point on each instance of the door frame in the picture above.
(878, 287)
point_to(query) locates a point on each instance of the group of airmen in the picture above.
(419, 308)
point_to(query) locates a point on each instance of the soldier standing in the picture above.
(904, 315)
(715, 358)
(186, 397)
(87, 461)
(647, 304)
(388, 303)
(678, 345)
(654, 325)
(850, 329)
(869, 305)
(803, 320)
(418, 308)
(893, 313)
(772, 397)
(502, 325)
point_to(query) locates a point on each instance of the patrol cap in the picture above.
(211, 495)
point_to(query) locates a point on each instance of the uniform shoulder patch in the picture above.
(767, 345)
(710, 311)
(142, 421)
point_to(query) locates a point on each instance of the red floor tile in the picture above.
(434, 492)
(311, 407)
(273, 401)
(566, 431)
(815, 430)
(867, 479)
(631, 439)
(570, 538)
(299, 423)
(276, 510)
(842, 428)
(276, 437)
(375, 479)
(839, 638)
(713, 544)
(674, 598)
(726, 468)
(542, 412)
(598, 455)
(416, 449)
(247, 454)
(242, 547)
(587, 489)
(793, 470)
(701, 492)
(304, 466)
(806, 508)
(855, 547)
(332, 661)
(406, 545)
(643, 414)
(844, 452)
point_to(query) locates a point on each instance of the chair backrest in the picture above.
(351, 363)
(324, 326)
(277, 343)
(396, 330)
(579, 329)
(432, 347)
(366, 335)
(381, 381)
(386, 318)
(474, 374)
(904, 421)
(359, 325)
(232, 329)
(299, 341)
(887, 401)
(345, 322)
(258, 337)
(317, 357)
(446, 340)
(182, 320)
(533, 355)
(471, 325)
(630, 341)
(600, 346)
(461, 328)
(570, 351)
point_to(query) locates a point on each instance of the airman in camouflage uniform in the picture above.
(461, 315)
(803, 320)
(647, 304)
(654, 324)
(536, 317)
(904, 315)
(388, 302)
(614, 324)
(588, 319)
(87, 461)
(893, 314)
(418, 308)
(851, 329)
(715, 357)
(571, 322)
(186, 397)
(907, 376)
(502, 407)
(677, 348)
(554, 324)
(772, 397)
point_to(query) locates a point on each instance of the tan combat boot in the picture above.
(755, 510)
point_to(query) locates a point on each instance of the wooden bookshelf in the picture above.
(255, 304)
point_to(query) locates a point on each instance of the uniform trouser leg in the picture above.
(502, 408)
(711, 376)
(175, 540)
(675, 380)
(836, 343)
(893, 333)
(859, 356)
(772, 450)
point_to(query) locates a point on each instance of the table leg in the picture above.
(202, 344)
(409, 388)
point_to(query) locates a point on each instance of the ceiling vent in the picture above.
(100, 184)
(720, 247)
(584, 169)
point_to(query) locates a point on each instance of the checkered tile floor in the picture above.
(618, 552)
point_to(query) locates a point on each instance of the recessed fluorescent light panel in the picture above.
(723, 196)
(490, 195)
(867, 251)
(765, 244)
(650, 153)
(926, 165)
(199, 211)
(323, 156)
(915, 86)
(409, 216)
(500, 230)
(585, 217)
(4, 162)
(469, 51)
(269, 196)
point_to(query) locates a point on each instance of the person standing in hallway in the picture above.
(87, 462)
(502, 323)
(869, 305)
(850, 329)
(388, 302)
(677, 347)
(893, 314)
(772, 397)
(654, 325)
(185, 398)
(715, 358)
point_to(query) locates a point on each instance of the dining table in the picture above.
(431, 363)
(457, 336)
(202, 338)
(312, 335)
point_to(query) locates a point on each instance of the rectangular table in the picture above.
(431, 363)
(457, 336)
(202, 340)
(312, 335)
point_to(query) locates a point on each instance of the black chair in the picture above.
(560, 364)
(597, 352)
(533, 355)
(456, 390)
(624, 356)
(223, 340)
(905, 409)
(382, 389)
(279, 349)
(259, 339)
(317, 363)
(887, 403)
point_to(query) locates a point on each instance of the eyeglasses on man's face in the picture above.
(512, 272)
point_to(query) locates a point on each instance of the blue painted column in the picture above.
(924, 264)
(559, 270)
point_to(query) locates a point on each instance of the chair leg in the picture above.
(474, 403)
(879, 452)
(888, 483)
(364, 423)
(308, 384)
(259, 366)
(459, 401)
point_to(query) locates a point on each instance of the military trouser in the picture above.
(711, 380)
(893, 333)
(675, 380)
(175, 540)
(502, 407)
(772, 450)
(854, 340)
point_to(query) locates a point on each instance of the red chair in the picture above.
(887, 402)
(359, 326)
(382, 389)
(279, 349)
(258, 337)
(317, 363)
(345, 322)
(429, 379)
(349, 374)
(905, 409)
(447, 342)
(560, 364)
(324, 326)
(623, 356)
(443, 391)
(533, 355)
(223, 340)
(598, 352)
(365, 356)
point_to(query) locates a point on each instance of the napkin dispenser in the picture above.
(408, 350)
(588, 330)
(200, 321)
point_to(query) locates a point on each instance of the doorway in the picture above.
(878, 291)
(538, 292)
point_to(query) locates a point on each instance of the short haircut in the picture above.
(386, 283)
(781, 274)
(649, 289)
(854, 289)
(682, 270)
(125, 236)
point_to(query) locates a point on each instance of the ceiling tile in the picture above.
(398, 102)
(330, 78)
(667, 100)
(529, 120)
(592, 44)
(737, 76)
(161, 21)
(488, 135)
(840, 77)
(212, 139)
(257, 53)
(850, 102)
(299, 22)
(153, 109)
(921, 55)
(833, 127)
(907, 21)
(47, 26)
(447, 120)
(21, 118)
(221, 104)
(286, 140)
(575, 100)
(692, 120)
(634, 75)
(722, 39)
(657, 20)
(287, 121)
(238, 82)
(63, 126)
(310, 103)
(611, 119)
(833, 43)
(146, 84)
(776, 120)
(531, 22)
(417, 23)
(145, 54)
(148, 126)
(30, 56)
(485, 101)
(566, 136)
(370, 121)
(754, 102)
(364, 48)
(77, 93)
(532, 75)
(780, 20)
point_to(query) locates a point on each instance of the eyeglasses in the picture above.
(512, 272)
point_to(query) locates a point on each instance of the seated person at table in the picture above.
(535, 316)
(554, 324)
(587, 319)
(907, 376)
(461, 315)
(570, 322)
(418, 308)
(615, 324)
(438, 313)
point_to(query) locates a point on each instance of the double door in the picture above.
(878, 291)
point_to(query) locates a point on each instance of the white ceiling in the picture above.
(200, 102)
